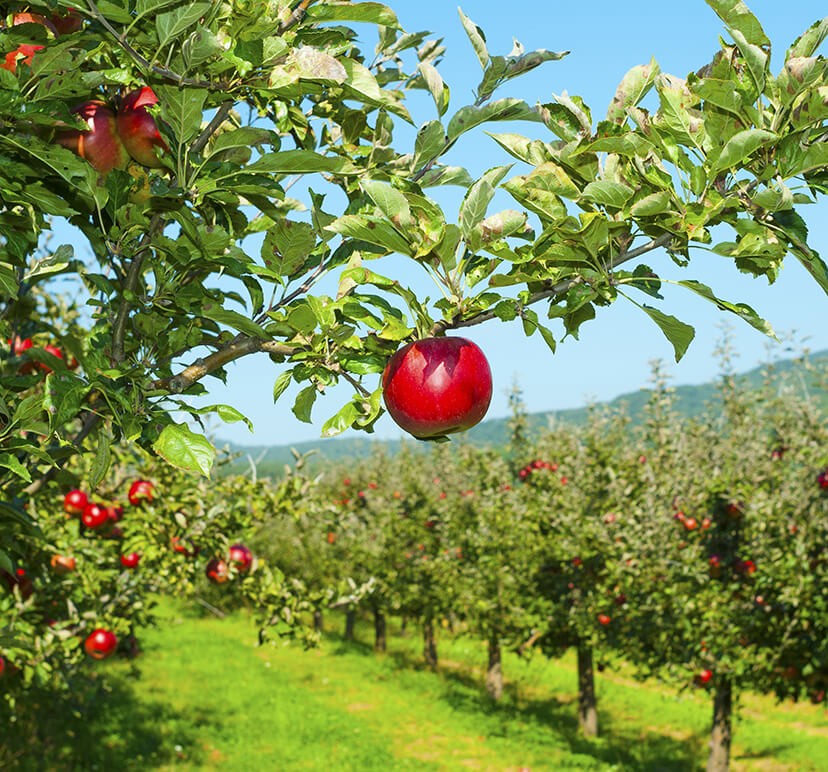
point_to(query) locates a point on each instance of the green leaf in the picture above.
(809, 41)
(374, 230)
(343, 420)
(281, 383)
(243, 137)
(304, 403)
(300, 162)
(390, 202)
(439, 91)
(430, 143)
(368, 13)
(632, 89)
(179, 446)
(737, 16)
(168, 26)
(226, 413)
(99, 468)
(742, 310)
(500, 110)
(182, 109)
(742, 145)
(477, 200)
(9, 512)
(233, 319)
(613, 194)
(677, 332)
(287, 246)
(477, 39)
(654, 203)
(12, 463)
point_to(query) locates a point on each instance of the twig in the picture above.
(297, 16)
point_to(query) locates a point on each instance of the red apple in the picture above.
(63, 564)
(2, 666)
(100, 143)
(705, 676)
(100, 643)
(137, 128)
(217, 571)
(131, 560)
(67, 22)
(140, 491)
(74, 502)
(94, 515)
(115, 513)
(437, 386)
(184, 546)
(604, 619)
(690, 523)
(331, 538)
(822, 479)
(241, 557)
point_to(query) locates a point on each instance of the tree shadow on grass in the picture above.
(98, 725)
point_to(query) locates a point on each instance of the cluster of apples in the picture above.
(19, 346)
(114, 136)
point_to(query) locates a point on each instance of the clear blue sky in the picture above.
(615, 351)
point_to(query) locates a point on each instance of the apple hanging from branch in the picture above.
(437, 386)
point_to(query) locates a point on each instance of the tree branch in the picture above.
(297, 16)
(241, 346)
(556, 289)
(143, 62)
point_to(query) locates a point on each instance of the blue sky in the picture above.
(615, 352)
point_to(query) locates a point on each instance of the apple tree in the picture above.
(180, 181)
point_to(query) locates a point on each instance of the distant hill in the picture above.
(691, 400)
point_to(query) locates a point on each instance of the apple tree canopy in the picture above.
(285, 167)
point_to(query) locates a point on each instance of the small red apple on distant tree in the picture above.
(331, 537)
(100, 643)
(2, 666)
(63, 564)
(705, 676)
(99, 143)
(74, 502)
(822, 479)
(131, 560)
(184, 546)
(241, 557)
(140, 491)
(138, 129)
(94, 515)
(604, 619)
(217, 571)
(437, 386)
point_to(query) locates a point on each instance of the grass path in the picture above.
(203, 696)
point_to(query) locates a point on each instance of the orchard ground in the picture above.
(203, 696)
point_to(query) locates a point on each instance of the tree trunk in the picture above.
(379, 630)
(317, 620)
(429, 644)
(350, 623)
(587, 706)
(494, 673)
(719, 759)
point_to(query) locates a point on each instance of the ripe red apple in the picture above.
(217, 571)
(74, 502)
(137, 128)
(94, 515)
(604, 619)
(184, 546)
(63, 564)
(822, 479)
(131, 560)
(100, 143)
(331, 538)
(241, 557)
(67, 22)
(100, 643)
(690, 523)
(140, 491)
(705, 676)
(437, 386)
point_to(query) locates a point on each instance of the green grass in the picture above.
(203, 696)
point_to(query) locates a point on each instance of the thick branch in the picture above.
(212, 127)
(239, 347)
(556, 289)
